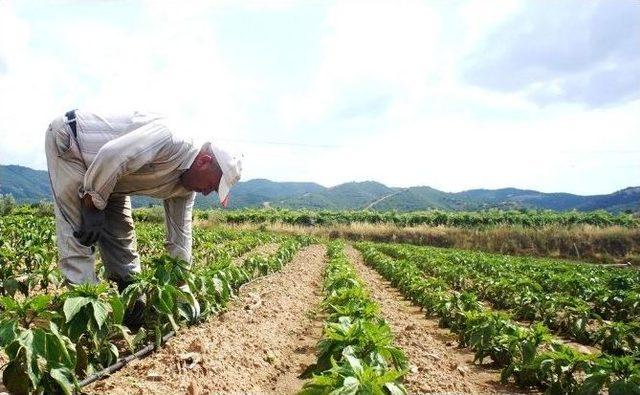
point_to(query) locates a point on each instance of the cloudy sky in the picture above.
(450, 94)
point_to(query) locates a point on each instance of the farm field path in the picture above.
(436, 363)
(262, 342)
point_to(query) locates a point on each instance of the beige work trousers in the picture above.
(117, 243)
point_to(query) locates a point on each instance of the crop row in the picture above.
(51, 341)
(356, 354)
(151, 236)
(28, 252)
(528, 355)
(524, 218)
(589, 304)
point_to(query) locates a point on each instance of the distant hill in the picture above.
(512, 197)
(28, 185)
(25, 184)
(419, 198)
(255, 192)
(352, 196)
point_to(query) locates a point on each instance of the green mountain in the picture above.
(255, 192)
(28, 185)
(348, 196)
(418, 198)
(623, 200)
(25, 184)
(513, 198)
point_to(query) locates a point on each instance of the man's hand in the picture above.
(92, 223)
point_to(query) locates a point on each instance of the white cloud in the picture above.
(439, 131)
(390, 46)
(569, 51)
(27, 91)
(457, 153)
(384, 100)
(173, 66)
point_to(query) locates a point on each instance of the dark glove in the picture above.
(91, 225)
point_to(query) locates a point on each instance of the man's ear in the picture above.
(204, 160)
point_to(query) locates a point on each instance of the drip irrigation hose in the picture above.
(139, 354)
(123, 361)
(142, 352)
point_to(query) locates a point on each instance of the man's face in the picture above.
(203, 176)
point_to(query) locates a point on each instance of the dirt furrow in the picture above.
(260, 344)
(437, 364)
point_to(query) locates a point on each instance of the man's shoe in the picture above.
(134, 315)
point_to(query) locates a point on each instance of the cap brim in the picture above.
(223, 191)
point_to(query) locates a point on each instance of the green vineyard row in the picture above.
(533, 218)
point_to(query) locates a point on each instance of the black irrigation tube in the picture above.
(125, 360)
(122, 362)
(140, 353)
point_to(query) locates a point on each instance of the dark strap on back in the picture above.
(71, 121)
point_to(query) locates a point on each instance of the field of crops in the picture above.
(264, 312)
(516, 312)
(531, 218)
(55, 337)
(597, 237)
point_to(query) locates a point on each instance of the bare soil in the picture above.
(3, 361)
(261, 344)
(437, 364)
(264, 249)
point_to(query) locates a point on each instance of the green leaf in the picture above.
(40, 302)
(21, 354)
(108, 354)
(593, 384)
(140, 336)
(127, 336)
(11, 286)
(624, 388)
(73, 305)
(100, 312)
(354, 363)
(64, 378)
(395, 389)
(117, 307)
(350, 386)
(165, 301)
(9, 303)
(39, 345)
(65, 348)
(8, 332)
(76, 328)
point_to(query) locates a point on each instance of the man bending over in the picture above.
(96, 162)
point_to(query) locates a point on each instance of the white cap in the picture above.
(231, 166)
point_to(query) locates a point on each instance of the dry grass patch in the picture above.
(585, 243)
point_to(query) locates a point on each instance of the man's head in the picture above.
(213, 169)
